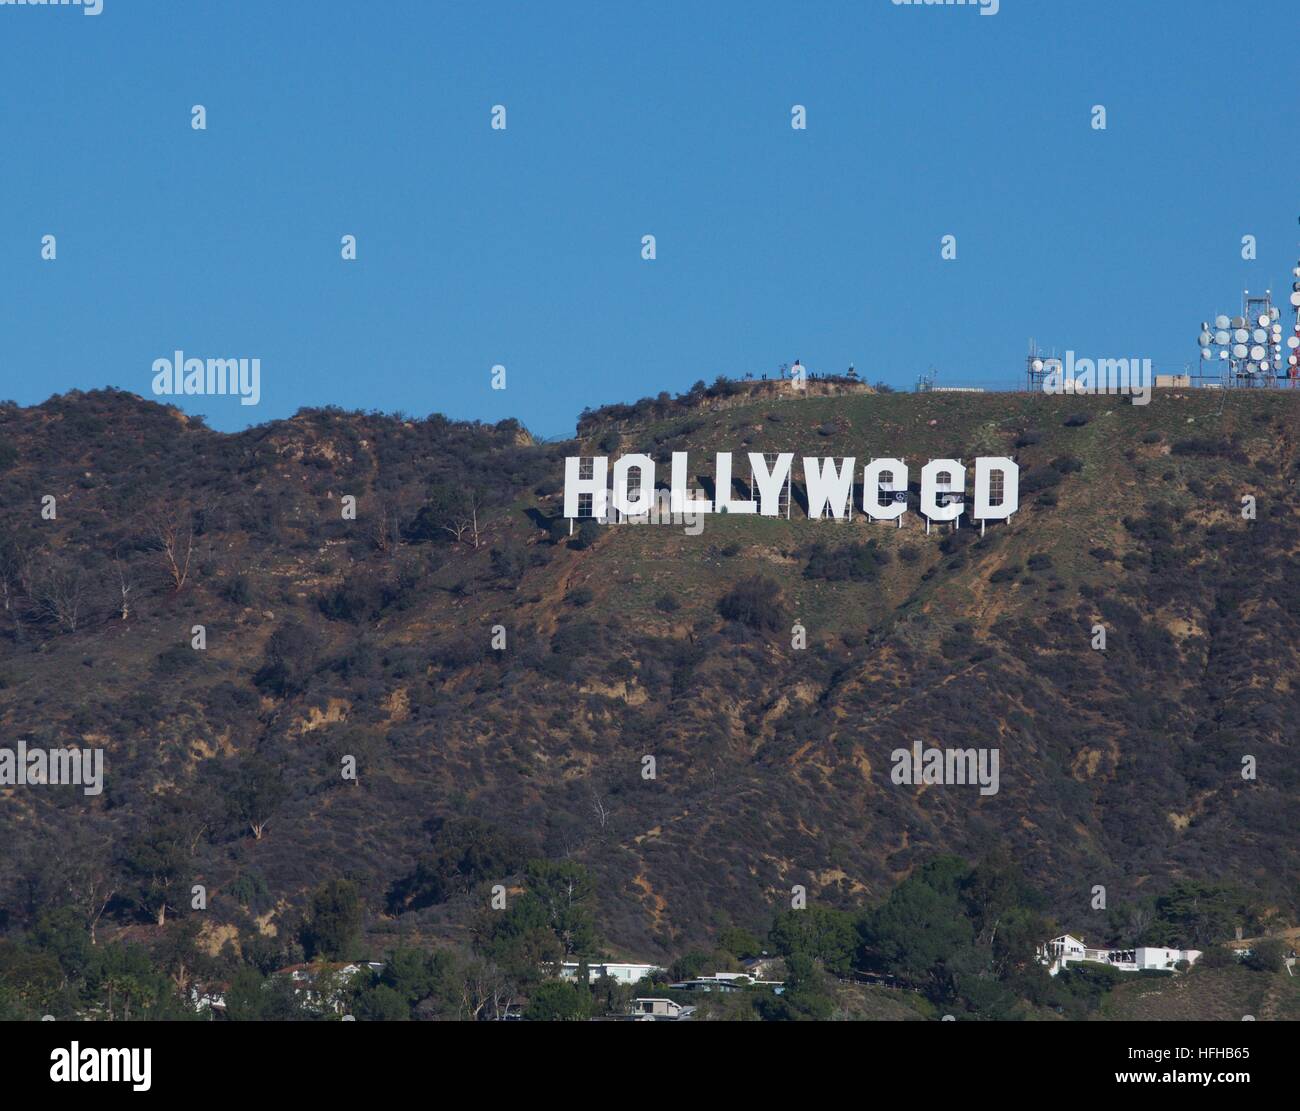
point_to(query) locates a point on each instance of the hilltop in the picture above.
(328, 637)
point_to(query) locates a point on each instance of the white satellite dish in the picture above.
(1223, 338)
(1238, 321)
(1263, 320)
(1223, 354)
(1205, 339)
(1206, 353)
(1295, 300)
(1038, 365)
(1257, 353)
(1274, 313)
(1239, 351)
(1293, 342)
(1222, 322)
(1260, 336)
(1240, 335)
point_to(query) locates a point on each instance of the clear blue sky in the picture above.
(522, 247)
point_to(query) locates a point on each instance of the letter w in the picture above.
(828, 487)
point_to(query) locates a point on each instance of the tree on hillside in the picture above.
(755, 602)
(157, 866)
(558, 1001)
(61, 589)
(291, 656)
(566, 892)
(922, 928)
(817, 933)
(1196, 914)
(333, 927)
(451, 512)
(172, 530)
(15, 570)
(254, 791)
(465, 853)
(80, 860)
(1267, 955)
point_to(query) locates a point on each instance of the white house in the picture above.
(707, 983)
(623, 973)
(209, 998)
(644, 1009)
(1061, 951)
(304, 977)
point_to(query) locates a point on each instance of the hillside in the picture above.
(328, 637)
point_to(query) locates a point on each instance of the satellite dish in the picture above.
(1238, 321)
(1223, 338)
(1293, 342)
(1274, 313)
(1263, 320)
(1206, 353)
(1239, 351)
(1293, 360)
(1260, 336)
(1223, 354)
(1257, 353)
(1206, 339)
(1295, 300)
(1038, 365)
(1222, 322)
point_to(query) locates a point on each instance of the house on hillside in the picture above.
(761, 969)
(622, 972)
(707, 983)
(1061, 951)
(320, 985)
(662, 1010)
(209, 997)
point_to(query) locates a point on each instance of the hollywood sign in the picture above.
(829, 484)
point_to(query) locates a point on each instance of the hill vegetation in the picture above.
(372, 712)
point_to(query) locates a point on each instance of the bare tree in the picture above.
(460, 512)
(173, 532)
(386, 526)
(461, 519)
(80, 862)
(15, 573)
(125, 586)
(60, 593)
(599, 809)
(487, 992)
